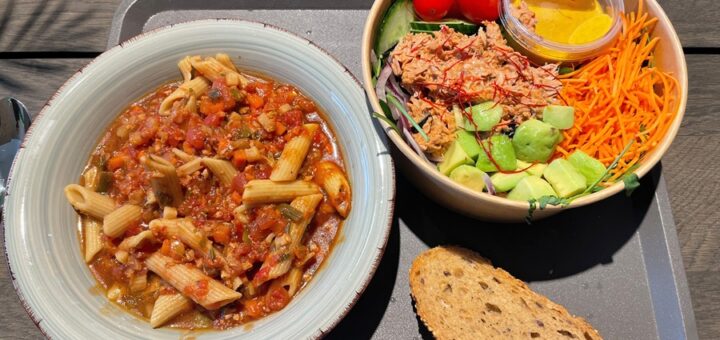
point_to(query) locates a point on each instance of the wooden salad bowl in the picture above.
(669, 58)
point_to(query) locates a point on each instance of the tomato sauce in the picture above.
(227, 120)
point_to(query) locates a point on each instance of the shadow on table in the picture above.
(556, 247)
(364, 318)
(559, 246)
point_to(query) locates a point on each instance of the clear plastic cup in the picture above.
(541, 50)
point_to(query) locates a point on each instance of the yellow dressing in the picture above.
(569, 21)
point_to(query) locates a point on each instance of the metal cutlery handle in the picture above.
(14, 122)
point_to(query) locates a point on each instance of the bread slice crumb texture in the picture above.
(460, 295)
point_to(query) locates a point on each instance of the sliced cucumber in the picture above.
(394, 26)
(460, 26)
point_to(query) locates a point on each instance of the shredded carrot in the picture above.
(620, 96)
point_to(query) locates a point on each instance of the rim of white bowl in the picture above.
(322, 329)
(377, 10)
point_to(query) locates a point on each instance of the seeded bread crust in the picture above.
(460, 295)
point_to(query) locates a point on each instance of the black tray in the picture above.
(616, 263)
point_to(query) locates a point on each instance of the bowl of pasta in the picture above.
(201, 177)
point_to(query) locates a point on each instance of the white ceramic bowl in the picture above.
(41, 239)
(668, 56)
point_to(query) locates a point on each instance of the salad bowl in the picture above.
(425, 176)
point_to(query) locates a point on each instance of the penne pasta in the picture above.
(164, 181)
(170, 213)
(116, 223)
(306, 205)
(135, 240)
(293, 155)
(122, 256)
(194, 87)
(92, 236)
(190, 167)
(236, 283)
(222, 169)
(186, 278)
(184, 230)
(213, 70)
(292, 280)
(184, 156)
(224, 59)
(191, 105)
(167, 307)
(138, 282)
(332, 179)
(261, 191)
(89, 202)
(279, 261)
(185, 68)
(195, 204)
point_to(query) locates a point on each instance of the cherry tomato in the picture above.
(196, 137)
(479, 10)
(432, 10)
(454, 11)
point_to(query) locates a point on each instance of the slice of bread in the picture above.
(460, 295)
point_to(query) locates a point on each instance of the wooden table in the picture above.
(42, 43)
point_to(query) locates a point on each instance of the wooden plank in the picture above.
(55, 25)
(701, 116)
(694, 21)
(691, 167)
(63, 25)
(33, 81)
(705, 292)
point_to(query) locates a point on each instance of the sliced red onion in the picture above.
(397, 90)
(401, 97)
(382, 82)
(396, 115)
(404, 122)
(414, 145)
(488, 184)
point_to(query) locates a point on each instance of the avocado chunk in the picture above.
(589, 167)
(559, 116)
(535, 141)
(564, 178)
(469, 176)
(501, 150)
(506, 182)
(485, 116)
(531, 187)
(454, 157)
(534, 170)
(468, 143)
